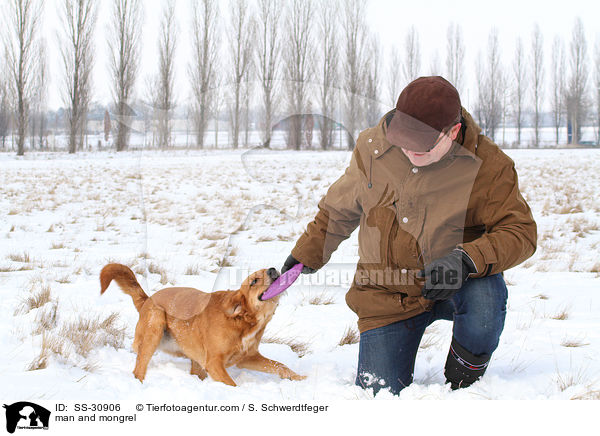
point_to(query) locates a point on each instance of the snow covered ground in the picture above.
(207, 219)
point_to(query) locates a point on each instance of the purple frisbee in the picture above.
(282, 282)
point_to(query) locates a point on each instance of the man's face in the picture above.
(444, 143)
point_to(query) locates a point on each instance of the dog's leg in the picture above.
(198, 370)
(148, 332)
(216, 370)
(258, 362)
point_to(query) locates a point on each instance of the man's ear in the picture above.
(455, 130)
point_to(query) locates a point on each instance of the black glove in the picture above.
(291, 261)
(445, 276)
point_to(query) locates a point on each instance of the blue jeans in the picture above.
(387, 354)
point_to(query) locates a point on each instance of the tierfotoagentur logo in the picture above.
(25, 415)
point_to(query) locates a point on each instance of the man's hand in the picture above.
(445, 276)
(291, 261)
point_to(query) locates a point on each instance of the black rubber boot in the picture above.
(462, 367)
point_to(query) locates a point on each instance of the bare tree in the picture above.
(218, 107)
(455, 54)
(37, 124)
(124, 44)
(22, 23)
(373, 106)
(577, 82)
(597, 88)
(558, 84)
(519, 73)
(394, 75)
(329, 70)
(147, 106)
(268, 59)
(298, 73)
(5, 110)
(77, 48)
(247, 89)
(165, 82)
(537, 77)
(204, 65)
(412, 55)
(107, 126)
(481, 88)
(491, 82)
(241, 28)
(435, 65)
(355, 70)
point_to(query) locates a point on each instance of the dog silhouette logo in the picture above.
(25, 415)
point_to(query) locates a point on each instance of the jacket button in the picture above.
(404, 220)
(403, 271)
(370, 140)
(376, 152)
(415, 170)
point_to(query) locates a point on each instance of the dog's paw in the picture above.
(296, 377)
(139, 375)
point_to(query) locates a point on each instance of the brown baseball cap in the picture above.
(425, 107)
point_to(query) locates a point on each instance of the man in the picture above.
(441, 217)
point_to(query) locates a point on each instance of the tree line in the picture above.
(315, 64)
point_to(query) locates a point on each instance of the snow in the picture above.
(208, 218)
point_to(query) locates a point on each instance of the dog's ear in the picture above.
(236, 305)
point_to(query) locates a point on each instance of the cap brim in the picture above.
(411, 134)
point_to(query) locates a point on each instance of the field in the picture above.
(207, 219)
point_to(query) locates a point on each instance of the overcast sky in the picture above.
(389, 19)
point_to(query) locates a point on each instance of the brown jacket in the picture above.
(410, 216)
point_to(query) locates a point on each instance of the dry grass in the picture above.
(565, 381)
(50, 345)
(351, 336)
(297, 346)
(212, 236)
(322, 299)
(36, 299)
(224, 262)
(9, 268)
(59, 264)
(87, 334)
(46, 320)
(541, 297)
(140, 270)
(192, 270)
(567, 209)
(155, 269)
(23, 258)
(57, 245)
(573, 343)
(562, 314)
(589, 394)
(64, 279)
(265, 238)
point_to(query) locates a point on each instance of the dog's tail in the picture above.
(126, 281)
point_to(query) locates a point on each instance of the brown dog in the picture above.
(215, 330)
